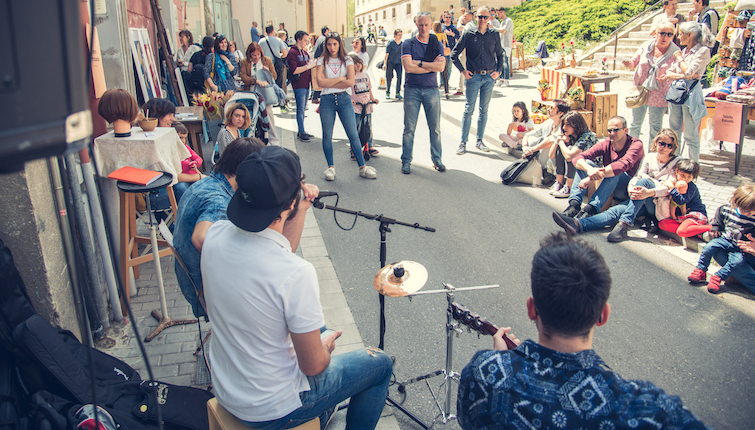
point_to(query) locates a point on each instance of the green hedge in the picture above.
(557, 21)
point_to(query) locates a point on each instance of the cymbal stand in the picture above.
(452, 328)
(383, 228)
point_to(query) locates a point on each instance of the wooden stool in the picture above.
(220, 419)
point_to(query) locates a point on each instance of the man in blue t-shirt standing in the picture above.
(255, 32)
(421, 89)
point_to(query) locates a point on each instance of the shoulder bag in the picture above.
(278, 62)
(637, 97)
(679, 90)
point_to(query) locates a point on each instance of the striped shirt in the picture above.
(733, 224)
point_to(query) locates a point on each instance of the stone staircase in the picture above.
(631, 38)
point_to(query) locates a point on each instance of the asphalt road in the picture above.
(661, 329)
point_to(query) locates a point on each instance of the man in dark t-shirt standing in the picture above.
(421, 89)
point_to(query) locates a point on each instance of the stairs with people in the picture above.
(632, 37)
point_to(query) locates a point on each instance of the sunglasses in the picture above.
(483, 16)
(662, 144)
(614, 130)
(333, 35)
(666, 34)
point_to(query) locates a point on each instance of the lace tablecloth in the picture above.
(161, 152)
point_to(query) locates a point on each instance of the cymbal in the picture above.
(388, 284)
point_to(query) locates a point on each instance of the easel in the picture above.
(162, 37)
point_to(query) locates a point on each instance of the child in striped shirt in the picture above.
(732, 222)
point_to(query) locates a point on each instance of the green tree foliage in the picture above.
(557, 21)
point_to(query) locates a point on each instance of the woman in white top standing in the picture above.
(186, 50)
(360, 48)
(335, 74)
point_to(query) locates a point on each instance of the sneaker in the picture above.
(303, 136)
(448, 97)
(459, 93)
(406, 168)
(554, 188)
(462, 149)
(388, 95)
(569, 224)
(698, 276)
(714, 285)
(439, 166)
(368, 172)
(587, 212)
(573, 209)
(398, 96)
(284, 109)
(330, 174)
(619, 232)
(481, 146)
(563, 193)
(505, 83)
(311, 136)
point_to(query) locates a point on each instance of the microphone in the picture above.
(319, 205)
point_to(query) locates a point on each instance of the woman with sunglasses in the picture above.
(647, 185)
(221, 67)
(335, 74)
(652, 59)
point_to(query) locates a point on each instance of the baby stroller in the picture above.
(252, 103)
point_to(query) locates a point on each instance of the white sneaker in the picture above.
(368, 172)
(330, 174)
(563, 193)
(505, 83)
(555, 187)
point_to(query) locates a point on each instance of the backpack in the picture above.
(526, 170)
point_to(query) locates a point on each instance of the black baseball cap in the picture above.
(267, 180)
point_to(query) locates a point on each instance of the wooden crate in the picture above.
(587, 115)
(603, 106)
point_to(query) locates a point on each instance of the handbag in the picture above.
(278, 62)
(380, 64)
(637, 97)
(212, 75)
(679, 90)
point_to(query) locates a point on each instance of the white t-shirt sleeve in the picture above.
(301, 301)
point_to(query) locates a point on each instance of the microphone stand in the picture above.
(383, 228)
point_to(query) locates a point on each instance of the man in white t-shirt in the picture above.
(273, 47)
(506, 28)
(270, 365)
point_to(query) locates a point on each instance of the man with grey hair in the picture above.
(484, 65)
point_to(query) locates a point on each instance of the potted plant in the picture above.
(576, 96)
(545, 88)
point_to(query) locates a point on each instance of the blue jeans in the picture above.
(655, 120)
(429, 98)
(360, 375)
(636, 207)
(369, 121)
(720, 244)
(301, 95)
(744, 272)
(604, 191)
(161, 201)
(604, 219)
(678, 116)
(482, 84)
(389, 70)
(340, 103)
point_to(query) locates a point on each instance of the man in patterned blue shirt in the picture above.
(560, 382)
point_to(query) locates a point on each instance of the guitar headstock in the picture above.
(472, 320)
(476, 322)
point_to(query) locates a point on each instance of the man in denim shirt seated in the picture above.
(205, 203)
(560, 382)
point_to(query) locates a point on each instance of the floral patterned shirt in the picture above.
(534, 387)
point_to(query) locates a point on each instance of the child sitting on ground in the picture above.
(189, 166)
(732, 222)
(521, 123)
(361, 94)
(688, 215)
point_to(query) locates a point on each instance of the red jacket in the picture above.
(627, 160)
